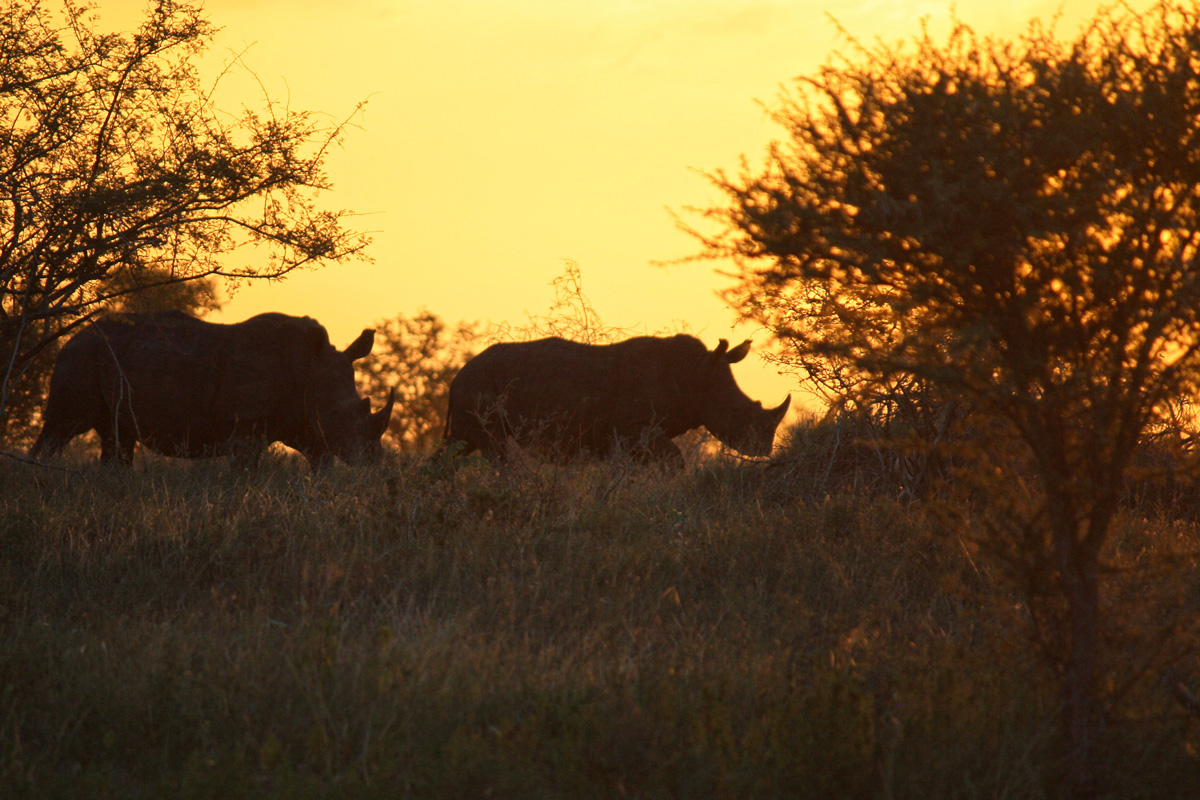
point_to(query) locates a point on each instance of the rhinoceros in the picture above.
(189, 388)
(563, 398)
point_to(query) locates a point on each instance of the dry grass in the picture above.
(597, 630)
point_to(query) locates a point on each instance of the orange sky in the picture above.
(502, 137)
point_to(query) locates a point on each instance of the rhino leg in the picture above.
(320, 461)
(65, 417)
(51, 444)
(495, 450)
(490, 445)
(116, 444)
(481, 430)
(246, 452)
(54, 438)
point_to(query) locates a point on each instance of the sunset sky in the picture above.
(503, 137)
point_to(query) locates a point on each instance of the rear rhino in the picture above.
(192, 389)
(565, 397)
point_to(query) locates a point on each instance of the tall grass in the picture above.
(592, 630)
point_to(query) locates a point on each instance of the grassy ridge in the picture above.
(599, 630)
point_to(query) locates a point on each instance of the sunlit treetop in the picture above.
(1032, 203)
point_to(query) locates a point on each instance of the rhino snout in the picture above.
(758, 437)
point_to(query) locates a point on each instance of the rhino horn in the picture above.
(384, 415)
(361, 346)
(777, 413)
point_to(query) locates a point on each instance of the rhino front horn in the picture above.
(780, 410)
(384, 415)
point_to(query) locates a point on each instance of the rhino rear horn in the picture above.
(361, 346)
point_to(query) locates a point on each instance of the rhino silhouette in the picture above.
(563, 398)
(188, 388)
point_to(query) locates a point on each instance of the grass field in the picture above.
(538, 631)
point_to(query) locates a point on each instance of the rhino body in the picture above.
(188, 388)
(563, 398)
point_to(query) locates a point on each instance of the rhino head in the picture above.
(729, 415)
(338, 422)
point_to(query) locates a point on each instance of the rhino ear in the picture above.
(720, 349)
(738, 353)
(361, 346)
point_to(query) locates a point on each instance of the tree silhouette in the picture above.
(118, 173)
(1013, 223)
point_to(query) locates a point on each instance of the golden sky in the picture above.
(502, 137)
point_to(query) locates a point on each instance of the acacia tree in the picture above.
(1015, 223)
(118, 173)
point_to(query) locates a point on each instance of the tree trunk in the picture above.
(1081, 718)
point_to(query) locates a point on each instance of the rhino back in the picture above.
(191, 385)
(622, 387)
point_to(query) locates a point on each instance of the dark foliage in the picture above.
(1012, 226)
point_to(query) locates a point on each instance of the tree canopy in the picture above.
(119, 172)
(1015, 223)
